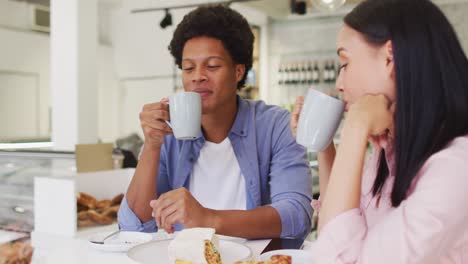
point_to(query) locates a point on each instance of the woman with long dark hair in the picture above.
(404, 79)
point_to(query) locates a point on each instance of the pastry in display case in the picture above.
(95, 205)
(92, 212)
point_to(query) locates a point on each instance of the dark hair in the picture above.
(431, 72)
(219, 22)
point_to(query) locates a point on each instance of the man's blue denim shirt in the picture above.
(275, 168)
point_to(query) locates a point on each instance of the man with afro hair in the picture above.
(244, 175)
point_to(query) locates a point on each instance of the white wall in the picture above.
(141, 45)
(14, 14)
(28, 52)
(19, 105)
(108, 96)
(456, 13)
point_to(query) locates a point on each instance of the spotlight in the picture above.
(298, 7)
(167, 20)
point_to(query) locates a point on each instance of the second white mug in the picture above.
(320, 118)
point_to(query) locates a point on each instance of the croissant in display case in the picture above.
(92, 212)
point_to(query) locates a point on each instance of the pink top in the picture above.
(430, 226)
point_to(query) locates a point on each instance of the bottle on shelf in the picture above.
(316, 74)
(287, 75)
(303, 73)
(280, 74)
(332, 72)
(297, 74)
(310, 75)
(326, 73)
(294, 73)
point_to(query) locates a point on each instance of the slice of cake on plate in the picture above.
(195, 246)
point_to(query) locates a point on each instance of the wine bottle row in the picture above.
(307, 72)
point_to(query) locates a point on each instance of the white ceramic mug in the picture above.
(185, 113)
(320, 118)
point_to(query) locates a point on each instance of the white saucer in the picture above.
(121, 242)
(156, 252)
(298, 256)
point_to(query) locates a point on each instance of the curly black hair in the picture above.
(219, 22)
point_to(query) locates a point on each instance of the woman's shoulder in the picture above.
(449, 165)
(440, 185)
(456, 151)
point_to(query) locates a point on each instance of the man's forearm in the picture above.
(142, 188)
(261, 222)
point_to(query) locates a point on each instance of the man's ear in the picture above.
(240, 71)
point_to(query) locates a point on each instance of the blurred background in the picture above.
(80, 71)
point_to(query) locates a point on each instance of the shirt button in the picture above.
(191, 159)
(242, 132)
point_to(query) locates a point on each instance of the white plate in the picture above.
(121, 242)
(307, 245)
(156, 252)
(239, 240)
(298, 256)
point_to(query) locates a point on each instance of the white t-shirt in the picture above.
(216, 180)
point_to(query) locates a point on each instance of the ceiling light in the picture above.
(328, 5)
(167, 20)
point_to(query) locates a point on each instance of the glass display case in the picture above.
(17, 172)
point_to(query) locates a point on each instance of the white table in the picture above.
(77, 251)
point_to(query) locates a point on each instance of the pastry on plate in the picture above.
(280, 259)
(195, 246)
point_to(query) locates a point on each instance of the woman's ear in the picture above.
(390, 59)
(240, 71)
